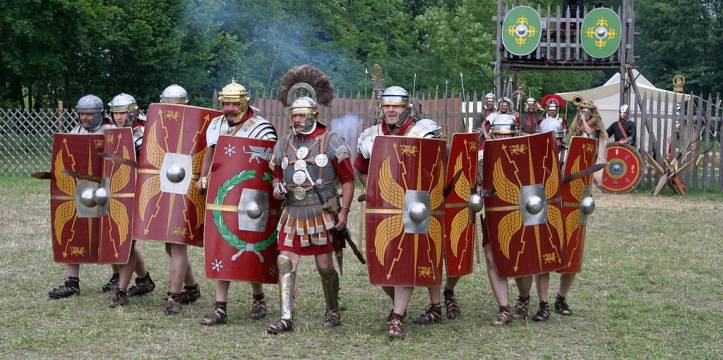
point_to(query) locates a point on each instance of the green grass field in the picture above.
(650, 288)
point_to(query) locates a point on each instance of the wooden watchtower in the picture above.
(560, 44)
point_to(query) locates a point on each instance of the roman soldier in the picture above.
(503, 121)
(623, 130)
(239, 120)
(498, 125)
(124, 111)
(398, 120)
(308, 165)
(91, 121)
(530, 118)
(489, 109)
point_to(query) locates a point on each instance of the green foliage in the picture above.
(63, 49)
(681, 37)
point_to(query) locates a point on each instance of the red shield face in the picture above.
(168, 206)
(580, 156)
(624, 170)
(241, 214)
(404, 215)
(74, 216)
(459, 220)
(524, 217)
(119, 180)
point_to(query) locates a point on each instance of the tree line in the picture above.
(61, 49)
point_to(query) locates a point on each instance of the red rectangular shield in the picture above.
(120, 183)
(580, 156)
(405, 211)
(168, 206)
(524, 217)
(459, 220)
(241, 213)
(74, 226)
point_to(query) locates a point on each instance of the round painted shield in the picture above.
(624, 170)
(521, 30)
(601, 32)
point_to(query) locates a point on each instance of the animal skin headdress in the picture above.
(305, 80)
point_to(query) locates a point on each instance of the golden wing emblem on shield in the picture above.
(119, 214)
(435, 201)
(390, 190)
(553, 182)
(65, 211)
(155, 153)
(577, 186)
(391, 227)
(459, 225)
(509, 193)
(462, 187)
(65, 183)
(552, 186)
(121, 177)
(504, 188)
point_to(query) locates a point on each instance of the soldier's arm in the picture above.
(202, 181)
(345, 173)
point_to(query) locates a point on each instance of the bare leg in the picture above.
(451, 304)
(542, 282)
(402, 295)
(115, 268)
(524, 284)
(179, 266)
(499, 288)
(497, 283)
(566, 280)
(126, 270)
(222, 290)
(435, 294)
(73, 270)
(451, 282)
(140, 266)
(561, 306)
(522, 307)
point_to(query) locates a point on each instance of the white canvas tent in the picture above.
(607, 96)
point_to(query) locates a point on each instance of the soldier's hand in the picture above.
(279, 191)
(341, 224)
(361, 198)
(199, 185)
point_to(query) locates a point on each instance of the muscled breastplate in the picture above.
(308, 172)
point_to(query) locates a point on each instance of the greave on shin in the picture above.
(287, 286)
(330, 283)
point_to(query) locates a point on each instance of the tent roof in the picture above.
(611, 89)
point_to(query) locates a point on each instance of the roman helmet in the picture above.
(235, 93)
(303, 88)
(125, 103)
(174, 94)
(490, 100)
(624, 109)
(310, 109)
(397, 95)
(93, 105)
